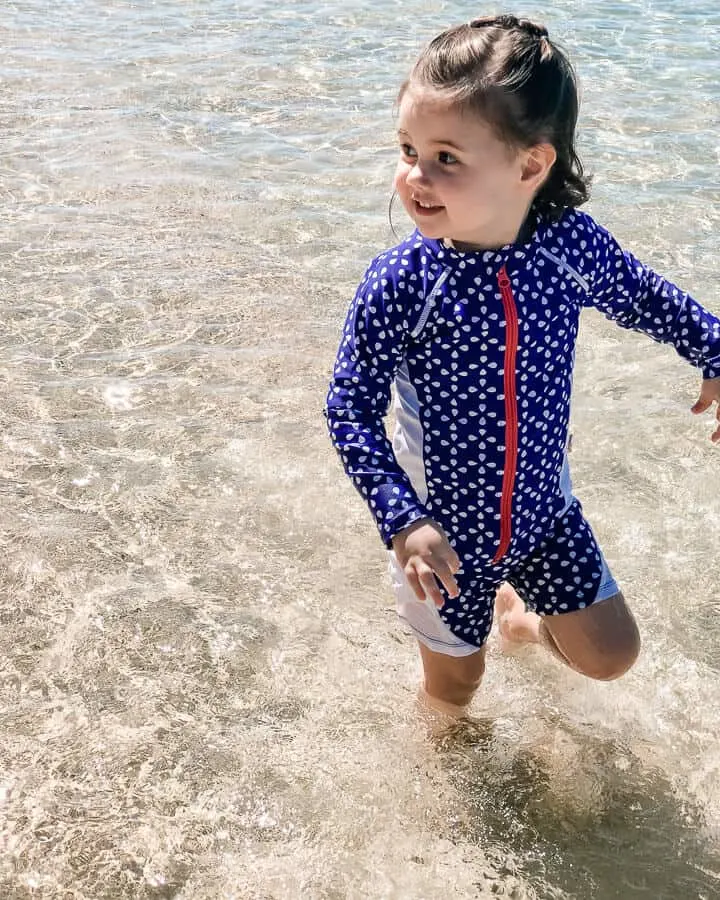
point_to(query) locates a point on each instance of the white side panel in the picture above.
(408, 437)
(566, 483)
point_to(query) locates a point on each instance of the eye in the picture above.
(446, 158)
(408, 151)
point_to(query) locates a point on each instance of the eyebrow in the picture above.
(444, 143)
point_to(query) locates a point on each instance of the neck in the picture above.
(520, 233)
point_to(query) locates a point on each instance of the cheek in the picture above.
(401, 172)
(494, 188)
(505, 179)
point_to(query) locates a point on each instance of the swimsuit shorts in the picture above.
(566, 572)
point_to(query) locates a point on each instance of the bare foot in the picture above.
(515, 623)
(446, 722)
(439, 717)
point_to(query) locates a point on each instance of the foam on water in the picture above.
(203, 689)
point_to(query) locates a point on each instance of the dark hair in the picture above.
(509, 72)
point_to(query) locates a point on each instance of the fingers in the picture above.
(430, 586)
(427, 557)
(709, 394)
(423, 578)
(418, 588)
(453, 560)
(703, 403)
(445, 572)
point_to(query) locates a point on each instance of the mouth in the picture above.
(423, 208)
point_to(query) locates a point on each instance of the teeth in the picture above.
(425, 205)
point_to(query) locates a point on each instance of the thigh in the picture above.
(585, 619)
(601, 641)
(567, 572)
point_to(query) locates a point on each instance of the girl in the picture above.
(473, 319)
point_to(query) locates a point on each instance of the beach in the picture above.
(204, 689)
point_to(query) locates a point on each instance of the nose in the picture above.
(417, 175)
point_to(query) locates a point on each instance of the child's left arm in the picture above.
(636, 297)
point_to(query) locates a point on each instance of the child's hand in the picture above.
(709, 393)
(424, 552)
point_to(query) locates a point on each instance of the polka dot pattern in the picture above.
(562, 574)
(438, 313)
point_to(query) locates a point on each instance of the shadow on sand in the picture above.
(580, 816)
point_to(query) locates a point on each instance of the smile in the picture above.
(425, 209)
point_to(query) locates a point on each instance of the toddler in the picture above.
(473, 321)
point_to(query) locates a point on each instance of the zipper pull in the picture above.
(503, 279)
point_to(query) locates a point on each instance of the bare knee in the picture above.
(601, 642)
(466, 679)
(614, 662)
(453, 686)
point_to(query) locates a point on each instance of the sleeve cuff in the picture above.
(389, 528)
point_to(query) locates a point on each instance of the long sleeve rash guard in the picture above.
(480, 348)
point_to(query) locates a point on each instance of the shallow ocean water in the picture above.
(204, 692)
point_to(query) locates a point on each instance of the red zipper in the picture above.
(511, 413)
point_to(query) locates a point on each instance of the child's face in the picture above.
(455, 177)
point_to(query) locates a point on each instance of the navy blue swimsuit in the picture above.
(479, 347)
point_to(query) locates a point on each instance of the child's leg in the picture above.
(451, 681)
(452, 667)
(601, 641)
(585, 621)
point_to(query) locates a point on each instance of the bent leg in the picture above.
(584, 619)
(600, 641)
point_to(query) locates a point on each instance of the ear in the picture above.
(536, 166)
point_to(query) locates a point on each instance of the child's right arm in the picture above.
(371, 351)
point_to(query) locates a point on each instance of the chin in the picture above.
(428, 231)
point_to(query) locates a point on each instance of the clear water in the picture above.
(203, 689)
